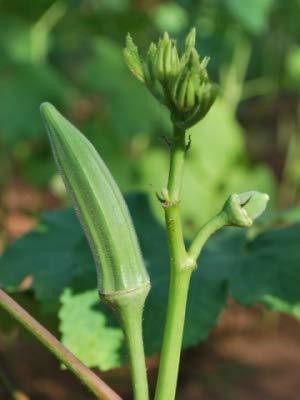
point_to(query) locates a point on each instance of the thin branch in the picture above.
(100, 389)
(208, 229)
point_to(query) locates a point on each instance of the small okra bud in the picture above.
(190, 93)
(166, 62)
(174, 60)
(243, 208)
(158, 67)
(149, 64)
(180, 99)
(204, 64)
(205, 97)
(132, 58)
(100, 207)
(190, 40)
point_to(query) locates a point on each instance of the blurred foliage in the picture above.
(69, 52)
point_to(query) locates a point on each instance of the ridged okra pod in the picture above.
(123, 281)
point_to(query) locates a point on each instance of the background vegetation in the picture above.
(70, 53)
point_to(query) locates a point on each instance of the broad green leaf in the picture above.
(268, 267)
(79, 279)
(253, 15)
(88, 331)
(28, 85)
(45, 256)
(264, 268)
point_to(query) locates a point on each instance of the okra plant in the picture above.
(180, 82)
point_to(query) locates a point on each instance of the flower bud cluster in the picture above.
(179, 82)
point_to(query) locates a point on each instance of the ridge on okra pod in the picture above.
(100, 206)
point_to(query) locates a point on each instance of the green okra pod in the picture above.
(100, 207)
(122, 277)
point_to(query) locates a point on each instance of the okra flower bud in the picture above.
(243, 208)
(179, 82)
(192, 93)
(166, 61)
(100, 207)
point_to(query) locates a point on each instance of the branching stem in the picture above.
(205, 232)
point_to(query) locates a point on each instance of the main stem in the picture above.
(172, 342)
(179, 277)
(100, 389)
(178, 151)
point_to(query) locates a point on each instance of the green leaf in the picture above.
(268, 267)
(221, 268)
(28, 85)
(253, 15)
(87, 330)
(264, 269)
(45, 256)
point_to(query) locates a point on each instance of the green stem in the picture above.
(204, 233)
(182, 263)
(178, 151)
(181, 269)
(130, 308)
(87, 377)
(170, 355)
